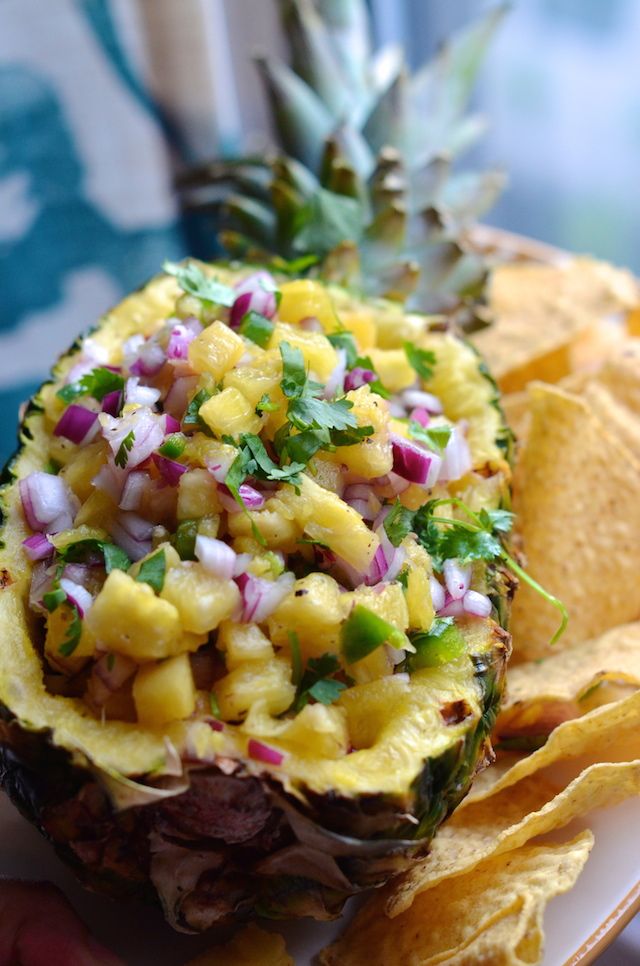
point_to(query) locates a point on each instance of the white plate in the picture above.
(578, 925)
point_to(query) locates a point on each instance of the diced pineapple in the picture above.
(376, 665)
(197, 495)
(318, 731)
(209, 453)
(262, 377)
(278, 530)
(164, 692)
(216, 350)
(327, 474)
(58, 627)
(230, 413)
(98, 511)
(314, 610)
(361, 323)
(243, 642)
(267, 681)
(373, 456)
(303, 299)
(327, 518)
(319, 354)
(66, 537)
(209, 526)
(393, 368)
(385, 600)
(371, 707)
(86, 464)
(418, 592)
(201, 600)
(128, 618)
(395, 327)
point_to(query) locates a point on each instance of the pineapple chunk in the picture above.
(385, 600)
(128, 618)
(315, 610)
(376, 665)
(58, 624)
(97, 511)
(393, 368)
(260, 378)
(164, 692)
(197, 495)
(371, 707)
(209, 453)
(318, 352)
(373, 456)
(303, 299)
(230, 413)
(79, 473)
(201, 600)
(267, 681)
(278, 529)
(216, 350)
(361, 323)
(327, 518)
(326, 473)
(418, 592)
(318, 731)
(243, 642)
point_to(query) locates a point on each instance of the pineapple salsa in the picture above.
(267, 509)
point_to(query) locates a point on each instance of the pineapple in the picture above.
(230, 413)
(216, 350)
(201, 600)
(164, 691)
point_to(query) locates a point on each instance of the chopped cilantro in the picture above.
(192, 418)
(365, 362)
(294, 375)
(184, 539)
(317, 682)
(398, 523)
(422, 360)
(403, 578)
(193, 280)
(435, 437)
(153, 571)
(213, 704)
(114, 557)
(266, 405)
(97, 383)
(54, 598)
(346, 341)
(74, 633)
(258, 328)
(122, 456)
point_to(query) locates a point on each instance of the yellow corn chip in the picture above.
(252, 946)
(579, 516)
(492, 915)
(541, 694)
(508, 820)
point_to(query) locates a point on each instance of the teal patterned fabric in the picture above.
(68, 246)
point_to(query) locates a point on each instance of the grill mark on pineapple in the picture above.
(455, 712)
(5, 579)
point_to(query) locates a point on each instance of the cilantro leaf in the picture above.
(193, 280)
(346, 341)
(365, 362)
(398, 523)
(500, 521)
(294, 374)
(192, 418)
(122, 456)
(74, 633)
(317, 682)
(435, 437)
(114, 557)
(327, 690)
(260, 464)
(54, 598)
(153, 571)
(422, 360)
(257, 327)
(266, 405)
(97, 383)
(307, 412)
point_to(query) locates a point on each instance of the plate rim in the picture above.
(606, 932)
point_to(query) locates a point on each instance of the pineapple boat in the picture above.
(253, 604)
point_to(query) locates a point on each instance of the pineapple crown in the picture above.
(362, 184)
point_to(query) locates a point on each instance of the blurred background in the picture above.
(102, 102)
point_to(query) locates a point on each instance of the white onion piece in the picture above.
(217, 557)
(335, 382)
(457, 578)
(437, 594)
(416, 398)
(77, 594)
(477, 604)
(147, 429)
(456, 460)
(140, 395)
(395, 655)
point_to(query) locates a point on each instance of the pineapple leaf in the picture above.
(312, 55)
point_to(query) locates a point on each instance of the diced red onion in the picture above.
(112, 403)
(252, 498)
(171, 425)
(77, 595)
(140, 395)
(456, 461)
(242, 562)
(108, 675)
(134, 489)
(37, 547)
(437, 594)
(148, 433)
(110, 479)
(362, 507)
(377, 569)
(42, 578)
(396, 409)
(77, 424)
(178, 397)
(421, 416)
(477, 604)
(180, 339)
(356, 491)
(171, 470)
(48, 503)
(261, 597)
(217, 557)
(215, 725)
(451, 608)
(358, 377)
(80, 573)
(311, 324)
(417, 398)
(260, 752)
(150, 358)
(456, 578)
(260, 288)
(336, 381)
(239, 309)
(396, 563)
(132, 534)
(414, 463)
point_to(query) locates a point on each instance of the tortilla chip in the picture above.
(492, 915)
(507, 820)
(610, 733)
(252, 946)
(542, 694)
(578, 515)
(515, 406)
